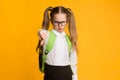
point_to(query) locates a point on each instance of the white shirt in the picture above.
(59, 54)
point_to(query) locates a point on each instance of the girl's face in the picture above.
(59, 22)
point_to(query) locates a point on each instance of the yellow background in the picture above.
(98, 24)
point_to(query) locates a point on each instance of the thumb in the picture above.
(42, 42)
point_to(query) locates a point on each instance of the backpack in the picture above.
(49, 46)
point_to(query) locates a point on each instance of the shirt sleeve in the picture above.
(73, 63)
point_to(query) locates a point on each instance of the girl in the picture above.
(59, 65)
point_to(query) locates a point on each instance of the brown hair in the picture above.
(70, 18)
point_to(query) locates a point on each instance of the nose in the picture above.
(59, 24)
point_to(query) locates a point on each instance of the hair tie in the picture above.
(69, 10)
(50, 8)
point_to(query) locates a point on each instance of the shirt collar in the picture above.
(58, 34)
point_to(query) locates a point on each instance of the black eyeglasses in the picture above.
(57, 23)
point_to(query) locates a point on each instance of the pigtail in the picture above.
(45, 25)
(46, 20)
(72, 29)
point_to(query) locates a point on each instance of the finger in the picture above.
(42, 42)
(44, 36)
(40, 34)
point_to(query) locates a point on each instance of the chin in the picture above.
(60, 31)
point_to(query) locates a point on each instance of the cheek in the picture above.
(55, 27)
